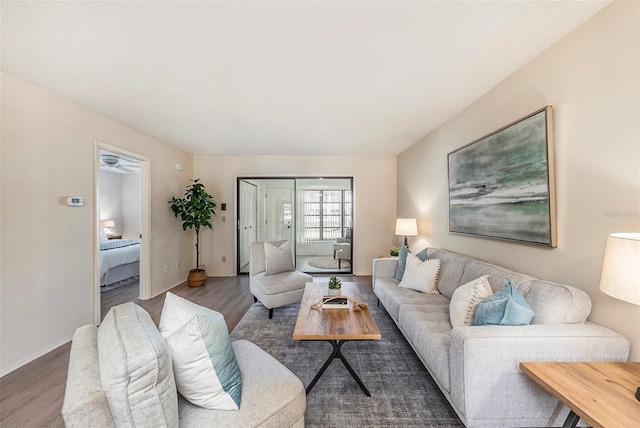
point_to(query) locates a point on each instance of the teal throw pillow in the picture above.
(402, 262)
(506, 307)
(422, 255)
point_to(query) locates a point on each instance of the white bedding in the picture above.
(118, 256)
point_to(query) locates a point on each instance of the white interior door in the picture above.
(279, 213)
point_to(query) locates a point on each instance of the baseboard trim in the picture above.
(26, 360)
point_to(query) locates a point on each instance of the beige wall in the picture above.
(374, 195)
(47, 279)
(591, 78)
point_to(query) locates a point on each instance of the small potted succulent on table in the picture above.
(394, 251)
(334, 286)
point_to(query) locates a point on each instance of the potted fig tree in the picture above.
(196, 210)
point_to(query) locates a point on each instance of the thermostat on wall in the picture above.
(75, 201)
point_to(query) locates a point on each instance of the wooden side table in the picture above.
(603, 394)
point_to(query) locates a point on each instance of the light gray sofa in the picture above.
(128, 355)
(477, 367)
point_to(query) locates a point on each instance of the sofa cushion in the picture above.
(282, 282)
(463, 304)
(451, 269)
(272, 396)
(498, 275)
(393, 297)
(136, 370)
(428, 329)
(506, 307)
(257, 258)
(278, 258)
(555, 303)
(204, 363)
(421, 276)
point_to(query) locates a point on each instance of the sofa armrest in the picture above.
(384, 267)
(85, 403)
(484, 364)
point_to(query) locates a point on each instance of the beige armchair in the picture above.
(274, 290)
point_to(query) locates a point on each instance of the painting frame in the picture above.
(502, 185)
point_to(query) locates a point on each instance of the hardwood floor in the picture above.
(32, 395)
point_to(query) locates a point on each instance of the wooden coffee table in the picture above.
(602, 393)
(336, 326)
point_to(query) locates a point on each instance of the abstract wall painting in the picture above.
(502, 185)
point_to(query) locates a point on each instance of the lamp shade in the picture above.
(406, 227)
(108, 223)
(621, 267)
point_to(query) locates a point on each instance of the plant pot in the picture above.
(335, 291)
(197, 277)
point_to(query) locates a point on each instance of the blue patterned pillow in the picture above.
(204, 363)
(402, 262)
(506, 307)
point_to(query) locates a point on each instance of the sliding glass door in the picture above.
(315, 214)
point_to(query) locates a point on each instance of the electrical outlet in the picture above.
(224, 259)
(166, 269)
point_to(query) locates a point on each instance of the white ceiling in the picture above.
(279, 77)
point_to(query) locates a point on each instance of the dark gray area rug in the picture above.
(403, 394)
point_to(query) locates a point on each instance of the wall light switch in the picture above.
(178, 166)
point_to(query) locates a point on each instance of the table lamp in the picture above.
(407, 227)
(107, 225)
(621, 270)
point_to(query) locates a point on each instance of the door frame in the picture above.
(145, 218)
(239, 264)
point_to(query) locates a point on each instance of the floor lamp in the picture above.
(406, 227)
(621, 270)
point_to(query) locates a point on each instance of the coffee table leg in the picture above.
(337, 354)
(571, 421)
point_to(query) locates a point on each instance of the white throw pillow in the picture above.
(465, 299)
(278, 259)
(421, 276)
(204, 364)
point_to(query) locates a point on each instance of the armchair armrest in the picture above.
(485, 362)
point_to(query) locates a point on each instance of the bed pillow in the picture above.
(278, 259)
(462, 307)
(402, 262)
(421, 276)
(204, 364)
(506, 307)
(103, 236)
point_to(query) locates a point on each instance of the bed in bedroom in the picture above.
(119, 262)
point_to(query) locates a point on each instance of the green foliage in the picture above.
(196, 210)
(394, 251)
(334, 283)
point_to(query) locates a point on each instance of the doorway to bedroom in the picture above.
(314, 213)
(119, 225)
